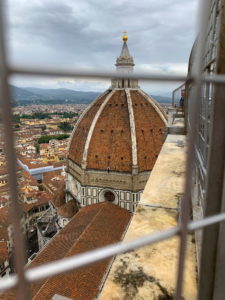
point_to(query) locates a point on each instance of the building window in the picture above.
(109, 196)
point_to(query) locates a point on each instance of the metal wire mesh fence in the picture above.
(200, 94)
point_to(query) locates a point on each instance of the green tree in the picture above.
(37, 146)
(16, 119)
(46, 138)
(65, 126)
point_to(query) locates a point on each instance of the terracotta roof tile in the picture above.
(4, 216)
(53, 179)
(42, 198)
(4, 223)
(32, 163)
(149, 131)
(78, 141)
(93, 226)
(111, 138)
(3, 200)
(59, 195)
(68, 210)
(3, 251)
(110, 145)
(26, 176)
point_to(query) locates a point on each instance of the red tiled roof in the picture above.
(3, 200)
(3, 251)
(4, 223)
(4, 216)
(57, 164)
(3, 171)
(68, 210)
(4, 233)
(26, 176)
(43, 146)
(9, 296)
(54, 180)
(92, 227)
(59, 196)
(64, 209)
(4, 190)
(42, 198)
(32, 163)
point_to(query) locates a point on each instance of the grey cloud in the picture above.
(87, 33)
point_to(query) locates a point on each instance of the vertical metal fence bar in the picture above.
(173, 98)
(211, 246)
(212, 260)
(177, 90)
(15, 210)
(204, 12)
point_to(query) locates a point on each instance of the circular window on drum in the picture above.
(109, 196)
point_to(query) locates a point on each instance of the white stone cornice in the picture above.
(83, 113)
(133, 132)
(155, 105)
(91, 130)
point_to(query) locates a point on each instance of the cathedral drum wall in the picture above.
(73, 187)
(125, 187)
(139, 181)
(111, 180)
(123, 198)
(123, 181)
(75, 170)
(116, 180)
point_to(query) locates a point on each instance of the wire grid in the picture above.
(205, 117)
(20, 279)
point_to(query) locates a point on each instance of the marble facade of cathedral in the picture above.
(115, 143)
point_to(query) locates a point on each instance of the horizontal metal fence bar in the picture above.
(192, 226)
(94, 74)
(77, 261)
(220, 78)
(107, 74)
(8, 283)
(84, 259)
(80, 260)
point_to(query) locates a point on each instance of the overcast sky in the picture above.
(87, 33)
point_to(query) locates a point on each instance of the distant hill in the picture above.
(65, 95)
(31, 95)
(23, 94)
(161, 99)
(28, 96)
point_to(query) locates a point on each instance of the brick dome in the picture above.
(121, 131)
(115, 143)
